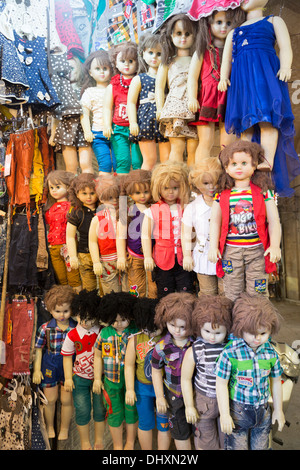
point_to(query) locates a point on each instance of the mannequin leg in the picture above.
(51, 394)
(149, 152)
(131, 430)
(163, 440)
(268, 140)
(117, 436)
(164, 151)
(145, 439)
(206, 136)
(85, 159)
(183, 445)
(191, 148)
(84, 434)
(99, 432)
(66, 413)
(225, 139)
(177, 149)
(70, 158)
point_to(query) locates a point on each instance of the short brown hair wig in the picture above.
(175, 305)
(253, 312)
(82, 181)
(107, 186)
(58, 295)
(214, 309)
(132, 180)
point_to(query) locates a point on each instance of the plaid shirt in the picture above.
(248, 371)
(169, 356)
(113, 349)
(50, 335)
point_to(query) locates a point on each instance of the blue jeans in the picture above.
(103, 152)
(84, 399)
(252, 427)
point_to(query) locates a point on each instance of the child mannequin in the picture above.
(177, 38)
(48, 366)
(115, 118)
(139, 389)
(79, 376)
(170, 191)
(245, 229)
(110, 349)
(98, 71)
(143, 123)
(135, 185)
(250, 58)
(250, 358)
(84, 201)
(173, 312)
(102, 236)
(57, 207)
(203, 179)
(211, 322)
(67, 132)
(207, 101)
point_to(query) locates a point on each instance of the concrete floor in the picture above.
(290, 436)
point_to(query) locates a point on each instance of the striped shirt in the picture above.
(169, 356)
(51, 336)
(242, 228)
(205, 356)
(248, 371)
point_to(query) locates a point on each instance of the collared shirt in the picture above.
(51, 335)
(113, 348)
(169, 356)
(248, 371)
(56, 218)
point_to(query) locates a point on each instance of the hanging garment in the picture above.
(66, 29)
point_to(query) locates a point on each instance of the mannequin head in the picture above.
(82, 191)
(250, 5)
(144, 312)
(108, 189)
(76, 71)
(58, 183)
(149, 52)
(173, 307)
(85, 307)
(204, 177)
(179, 32)
(118, 306)
(167, 174)
(58, 301)
(97, 69)
(211, 318)
(124, 58)
(136, 185)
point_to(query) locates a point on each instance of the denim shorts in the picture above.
(85, 400)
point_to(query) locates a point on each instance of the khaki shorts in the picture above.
(207, 435)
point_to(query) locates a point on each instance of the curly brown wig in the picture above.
(82, 181)
(58, 295)
(214, 309)
(177, 305)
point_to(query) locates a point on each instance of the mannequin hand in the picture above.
(121, 264)
(193, 105)
(224, 84)
(279, 417)
(37, 377)
(69, 385)
(148, 264)
(191, 414)
(134, 129)
(162, 405)
(130, 397)
(284, 74)
(98, 269)
(89, 136)
(213, 255)
(158, 113)
(227, 424)
(275, 254)
(97, 386)
(74, 262)
(107, 132)
(188, 263)
(51, 141)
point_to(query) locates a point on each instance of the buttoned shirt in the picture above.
(50, 335)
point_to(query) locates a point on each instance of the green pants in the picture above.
(126, 152)
(120, 411)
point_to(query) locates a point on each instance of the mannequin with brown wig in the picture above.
(245, 231)
(204, 98)
(178, 36)
(211, 324)
(255, 376)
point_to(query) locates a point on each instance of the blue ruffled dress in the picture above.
(257, 95)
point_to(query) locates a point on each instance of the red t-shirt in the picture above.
(120, 92)
(56, 218)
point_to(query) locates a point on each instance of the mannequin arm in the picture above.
(226, 63)
(274, 228)
(160, 85)
(54, 124)
(86, 124)
(132, 99)
(157, 380)
(187, 371)
(68, 371)
(285, 49)
(130, 397)
(226, 422)
(37, 366)
(214, 233)
(192, 82)
(276, 391)
(108, 104)
(186, 243)
(121, 246)
(93, 246)
(72, 245)
(98, 368)
(147, 243)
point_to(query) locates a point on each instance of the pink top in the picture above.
(56, 218)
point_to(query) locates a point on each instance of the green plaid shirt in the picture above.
(248, 371)
(113, 349)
